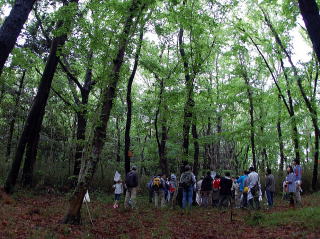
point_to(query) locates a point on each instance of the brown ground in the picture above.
(31, 216)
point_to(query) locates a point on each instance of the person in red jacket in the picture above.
(216, 190)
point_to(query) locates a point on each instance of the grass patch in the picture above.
(305, 217)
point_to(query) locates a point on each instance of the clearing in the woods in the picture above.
(33, 215)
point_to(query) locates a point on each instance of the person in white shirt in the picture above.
(254, 188)
(118, 190)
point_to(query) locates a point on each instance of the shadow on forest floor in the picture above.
(28, 215)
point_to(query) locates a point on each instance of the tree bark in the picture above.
(251, 112)
(82, 116)
(196, 147)
(11, 28)
(14, 114)
(34, 120)
(280, 138)
(189, 104)
(310, 14)
(129, 103)
(164, 130)
(89, 167)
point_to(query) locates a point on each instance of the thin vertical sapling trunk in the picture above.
(14, 114)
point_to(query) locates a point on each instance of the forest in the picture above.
(91, 87)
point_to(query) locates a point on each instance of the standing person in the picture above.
(118, 190)
(150, 189)
(254, 188)
(159, 190)
(243, 193)
(298, 179)
(132, 183)
(270, 187)
(291, 185)
(237, 194)
(172, 189)
(216, 190)
(225, 190)
(198, 191)
(187, 181)
(206, 190)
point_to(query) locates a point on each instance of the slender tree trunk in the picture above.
(189, 104)
(34, 120)
(251, 112)
(88, 169)
(14, 114)
(11, 28)
(164, 131)
(118, 140)
(280, 138)
(162, 150)
(310, 14)
(129, 103)
(196, 147)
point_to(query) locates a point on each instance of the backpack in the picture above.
(186, 180)
(172, 187)
(131, 180)
(216, 184)
(156, 183)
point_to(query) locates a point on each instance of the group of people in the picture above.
(244, 191)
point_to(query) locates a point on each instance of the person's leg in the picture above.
(162, 198)
(184, 198)
(268, 193)
(150, 195)
(271, 197)
(221, 201)
(127, 198)
(133, 197)
(245, 200)
(190, 196)
(156, 199)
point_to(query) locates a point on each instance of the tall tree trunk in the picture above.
(196, 146)
(14, 114)
(89, 167)
(280, 138)
(189, 104)
(290, 108)
(118, 157)
(129, 103)
(34, 120)
(82, 117)
(11, 28)
(162, 149)
(310, 14)
(251, 112)
(164, 131)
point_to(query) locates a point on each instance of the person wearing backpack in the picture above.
(158, 187)
(131, 185)
(216, 190)
(187, 181)
(254, 188)
(206, 190)
(225, 190)
(150, 189)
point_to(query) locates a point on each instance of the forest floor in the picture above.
(34, 215)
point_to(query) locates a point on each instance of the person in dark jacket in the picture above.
(206, 190)
(270, 187)
(131, 185)
(225, 190)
